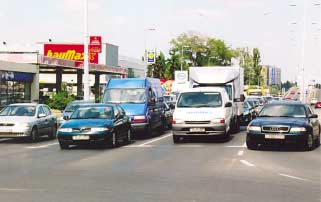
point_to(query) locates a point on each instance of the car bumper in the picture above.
(210, 129)
(13, 133)
(139, 127)
(296, 139)
(93, 138)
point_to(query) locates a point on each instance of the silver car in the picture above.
(27, 120)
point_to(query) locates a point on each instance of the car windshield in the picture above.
(200, 99)
(18, 111)
(105, 112)
(137, 95)
(282, 110)
(72, 107)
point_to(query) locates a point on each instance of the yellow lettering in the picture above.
(82, 56)
(56, 54)
(49, 53)
(62, 55)
(70, 55)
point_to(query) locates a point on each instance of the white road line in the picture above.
(42, 146)
(240, 153)
(155, 140)
(247, 163)
(293, 177)
(238, 146)
(137, 146)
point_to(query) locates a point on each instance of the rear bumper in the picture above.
(210, 129)
(298, 139)
(139, 127)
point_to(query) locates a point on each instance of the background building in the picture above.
(271, 75)
(136, 68)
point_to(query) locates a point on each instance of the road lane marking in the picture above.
(240, 153)
(42, 146)
(238, 146)
(155, 140)
(247, 163)
(293, 177)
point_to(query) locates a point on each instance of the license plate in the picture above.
(195, 130)
(80, 137)
(276, 136)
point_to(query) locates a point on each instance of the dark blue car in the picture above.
(285, 122)
(106, 125)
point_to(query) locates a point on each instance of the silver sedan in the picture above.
(27, 120)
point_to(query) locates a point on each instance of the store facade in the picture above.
(19, 83)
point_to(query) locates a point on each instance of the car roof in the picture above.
(82, 101)
(284, 102)
(204, 89)
(98, 105)
(25, 104)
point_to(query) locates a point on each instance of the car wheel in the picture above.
(63, 146)
(53, 134)
(129, 136)
(148, 131)
(251, 145)
(114, 140)
(309, 143)
(34, 137)
(317, 141)
(176, 139)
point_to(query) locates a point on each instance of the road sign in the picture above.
(151, 58)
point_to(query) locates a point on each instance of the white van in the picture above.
(202, 111)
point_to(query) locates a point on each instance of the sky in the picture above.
(273, 26)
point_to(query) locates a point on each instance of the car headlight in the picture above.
(253, 128)
(65, 130)
(22, 125)
(298, 129)
(99, 129)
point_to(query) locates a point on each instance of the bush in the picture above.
(59, 100)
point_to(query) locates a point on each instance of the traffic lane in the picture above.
(158, 173)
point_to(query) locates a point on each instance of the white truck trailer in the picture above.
(230, 78)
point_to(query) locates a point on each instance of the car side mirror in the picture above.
(171, 106)
(314, 116)
(242, 97)
(41, 115)
(151, 102)
(228, 104)
(66, 118)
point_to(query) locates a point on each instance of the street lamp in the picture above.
(86, 62)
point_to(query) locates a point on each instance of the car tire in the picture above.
(63, 146)
(148, 131)
(309, 143)
(114, 141)
(317, 141)
(251, 145)
(34, 136)
(53, 134)
(129, 136)
(176, 139)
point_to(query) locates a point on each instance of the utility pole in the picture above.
(86, 62)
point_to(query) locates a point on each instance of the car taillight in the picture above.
(139, 119)
(222, 121)
(174, 122)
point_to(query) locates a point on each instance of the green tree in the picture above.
(172, 64)
(256, 66)
(246, 61)
(157, 70)
(218, 53)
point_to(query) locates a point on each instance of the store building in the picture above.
(18, 83)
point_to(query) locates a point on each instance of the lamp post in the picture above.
(86, 62)
(182, 56)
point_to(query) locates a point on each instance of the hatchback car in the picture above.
(285, 122)
(27, 121)
(104, 124)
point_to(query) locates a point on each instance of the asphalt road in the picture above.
(157, 170)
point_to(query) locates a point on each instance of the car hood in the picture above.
(87, 123)
(134, 109)
(16, 119)
(298, 122)
(198, 114)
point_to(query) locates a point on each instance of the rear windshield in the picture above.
(283, 110)
(200, 99)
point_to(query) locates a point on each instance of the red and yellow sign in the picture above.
(95, 44)
(69, 52)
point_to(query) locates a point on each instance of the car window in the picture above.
(46, 110)
(310, 111)
(116, 111)
(40, 111)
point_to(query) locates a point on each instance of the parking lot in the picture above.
(155, 169)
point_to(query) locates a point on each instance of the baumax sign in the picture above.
(69, 52)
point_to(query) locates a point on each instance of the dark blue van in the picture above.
(142, 99)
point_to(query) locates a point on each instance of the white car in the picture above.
(313, 101)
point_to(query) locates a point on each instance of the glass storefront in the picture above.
(15, 87)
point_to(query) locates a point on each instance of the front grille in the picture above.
(275, 129)
(6, 124)
(81, 130)
(197, 122)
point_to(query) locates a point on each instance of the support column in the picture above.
(58, 79)
(97, 82)
(80, 93)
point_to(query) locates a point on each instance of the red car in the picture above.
(317, 105)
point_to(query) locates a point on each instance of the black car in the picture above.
(249, 113)
(104, 124)
(285, 122)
